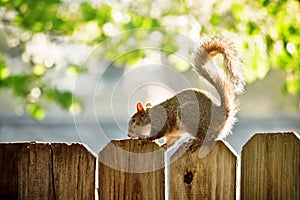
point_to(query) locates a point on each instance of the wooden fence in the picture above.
(135, 169)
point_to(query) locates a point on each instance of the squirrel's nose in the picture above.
(128, 134)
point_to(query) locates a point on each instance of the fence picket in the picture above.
(131, 169)
(211, 177)
(46, 171)
(271, 167)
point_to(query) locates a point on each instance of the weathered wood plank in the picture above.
(211, 177)
(9, 155)
(35, 172)
(131, 169)
(74, 172)
(46, 171)
(271, 167)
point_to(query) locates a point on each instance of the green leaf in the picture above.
(18, 83)
(293, 84)
(131, 57)
(63, 98)
(76, 107)
(253, 28)
(215, 19)
(4, 72)
(39, 69)
(36, 111)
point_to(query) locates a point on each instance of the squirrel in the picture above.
(192, 110)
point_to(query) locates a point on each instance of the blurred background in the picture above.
(72, 71)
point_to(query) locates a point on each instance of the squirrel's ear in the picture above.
(148, 105)
(140, 107)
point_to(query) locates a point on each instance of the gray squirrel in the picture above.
(194, 111)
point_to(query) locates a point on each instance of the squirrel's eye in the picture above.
(133, 120)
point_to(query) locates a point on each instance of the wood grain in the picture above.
(35, 172)
(134, 169)
(211, 177)
(271, 167)
(131, 169)
(74, 172)
(46, 171)
(9, 156)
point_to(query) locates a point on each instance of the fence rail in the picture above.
(135, 169)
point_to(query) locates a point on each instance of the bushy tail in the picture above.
(218, 44)
(227, 86)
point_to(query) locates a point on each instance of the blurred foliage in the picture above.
(267, 32)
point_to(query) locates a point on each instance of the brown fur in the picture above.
(193, 110)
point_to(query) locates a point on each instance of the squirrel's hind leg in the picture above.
(193, 144)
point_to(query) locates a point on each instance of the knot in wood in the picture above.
(188, 177)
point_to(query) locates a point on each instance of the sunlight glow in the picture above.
(49, 62)
(41, 51)
(292, 84)
(73, 7)
(278, 47)
(75, 108)
(180, 64)
(35, 93)
(156, 38)
(4, 73)
(120, 17)
(13, 42)
(290, 47)
(110, 29)
(39, 69)
(88, 32)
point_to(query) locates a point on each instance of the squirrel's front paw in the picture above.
(165, 146)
